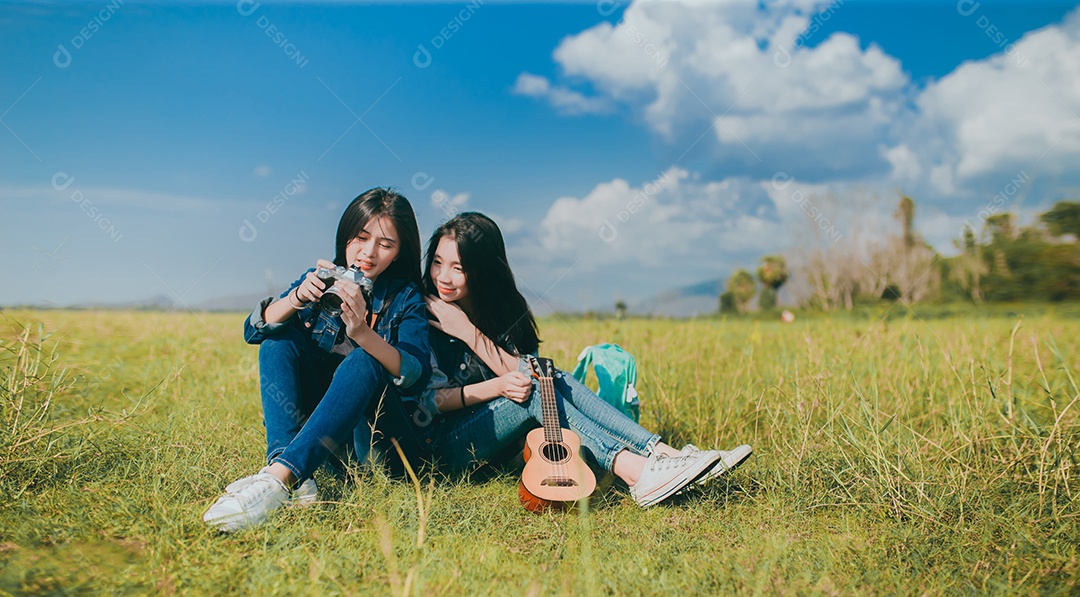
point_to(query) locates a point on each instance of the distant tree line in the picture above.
(1001, 261)
(1005, 262)
(741, 286)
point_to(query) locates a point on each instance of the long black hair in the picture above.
(498, 306)
(375, 203)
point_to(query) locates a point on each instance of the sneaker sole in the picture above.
(726, 465)
(227, 524)
(689, 476)
(303, 500)
(298, 499)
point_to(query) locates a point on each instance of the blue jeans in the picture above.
(314, 401)
(464, 438)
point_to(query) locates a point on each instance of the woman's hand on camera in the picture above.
(353, 310)
(516, 386)
(451, 319)
(311, 289)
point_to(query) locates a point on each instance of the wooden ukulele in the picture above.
(555, 475)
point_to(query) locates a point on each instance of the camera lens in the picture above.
(331, 302)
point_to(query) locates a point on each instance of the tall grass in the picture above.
(44, 435)
(901, 456)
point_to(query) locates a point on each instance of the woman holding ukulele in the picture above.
(479, 401)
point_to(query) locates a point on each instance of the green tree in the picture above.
(905, 212)
(620, 309)
(727, 302)
(766, 299)
(1028, 263)
(905, 262)
(1000, 228)
(772, 273)
(1063, 218)
(742, 287)
(968, 268)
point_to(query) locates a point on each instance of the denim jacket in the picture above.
(453, 365)
(400, 318)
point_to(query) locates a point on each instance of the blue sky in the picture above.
(624, 148)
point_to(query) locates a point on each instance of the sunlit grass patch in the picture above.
(891, 456)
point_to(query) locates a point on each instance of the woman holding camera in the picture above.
(328, 350)
(479, 400)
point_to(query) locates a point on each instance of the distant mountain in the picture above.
(687, 301)
(702, 298)
(542, 307)
(244, 302)
(236, 302)
(154, 303)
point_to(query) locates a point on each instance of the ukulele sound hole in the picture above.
(555, 452)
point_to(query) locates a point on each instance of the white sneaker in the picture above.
(664, 476)
(306, 493)
(248, 501)
(728, 460)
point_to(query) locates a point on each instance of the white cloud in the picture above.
(262, 171)
(1017, 110)
(735, 70)
(67, 189)
(736, 82)
(904, 162)
(531, 85)
(449, 205)
(563, 99)
(636, 239)
(507, 224)
(623, 233)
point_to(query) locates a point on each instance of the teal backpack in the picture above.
(617, 372)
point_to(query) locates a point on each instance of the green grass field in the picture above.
(905, 456)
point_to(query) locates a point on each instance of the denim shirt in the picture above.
(400, 318)
(453, 365)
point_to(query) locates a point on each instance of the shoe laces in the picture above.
(663, 462)
(255, 491)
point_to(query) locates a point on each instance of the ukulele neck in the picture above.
(549, 410)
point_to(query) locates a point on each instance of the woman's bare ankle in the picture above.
(282, 473)
(628, 466)
(665, 450)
